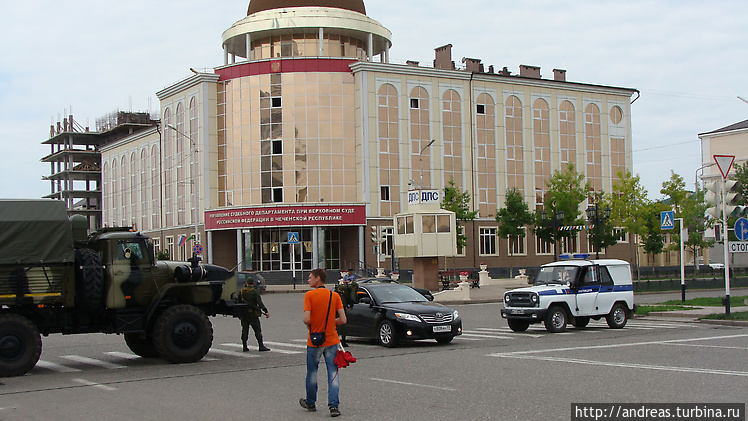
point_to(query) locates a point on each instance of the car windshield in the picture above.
(396, 294)
(556, 275)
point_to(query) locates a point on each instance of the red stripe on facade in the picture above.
(290, 65)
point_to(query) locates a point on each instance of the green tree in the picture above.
(629, 205)
(602, 236)
(566, 190)
(692, 212)
(653, 238)
(675, 190)
(512, 220)
(457, 201)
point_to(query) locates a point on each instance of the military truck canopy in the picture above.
(35, 231)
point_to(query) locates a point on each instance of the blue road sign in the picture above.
(293, 238)
(667, 220)
(197, 249)
(741, 229)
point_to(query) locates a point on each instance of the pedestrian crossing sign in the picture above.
(667, 220)
(293, 238)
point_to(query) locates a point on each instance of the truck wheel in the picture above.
(20, 345)
(387, 335)
(617, 317)
(183, 334)
(141, 345)
(581, 321)
(555, 320)
(518, 325)
(90, 277)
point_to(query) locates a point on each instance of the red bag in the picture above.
(343, 359)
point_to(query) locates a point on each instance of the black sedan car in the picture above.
(423, 291)
(392, 312)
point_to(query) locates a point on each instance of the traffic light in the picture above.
(375, 235)
(732, 198)
(383, 231)
(713, 198)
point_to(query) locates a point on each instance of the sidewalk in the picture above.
(493, 292)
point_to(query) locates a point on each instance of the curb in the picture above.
(724, 322)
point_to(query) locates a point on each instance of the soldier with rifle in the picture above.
(348, 290)
(251, 296)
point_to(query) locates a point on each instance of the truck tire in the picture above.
(89, 273)
(183, 334)
(555, 321)
(617, 317)
(20, 345)
(141, 345)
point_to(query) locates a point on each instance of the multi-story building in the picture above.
(307, 128)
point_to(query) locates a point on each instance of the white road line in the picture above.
(630, 365)
(507, 330)
(92, 384)
(489, 329)
(286, 344)
(280, 351)
(299, 340)
(55, 367)
(124, 355)
(415, 384)
(712, 346)
(477, 335)
(617, 345)
(231, 353)
(91, 361)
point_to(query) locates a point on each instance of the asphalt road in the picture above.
(489, 373)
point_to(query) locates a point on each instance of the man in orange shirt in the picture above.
(323, 311)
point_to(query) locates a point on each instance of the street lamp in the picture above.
(597, 219)
(420, 155)
(556, 223)
(193, 182)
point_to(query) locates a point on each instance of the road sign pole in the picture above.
(725, 240)
(683, 235)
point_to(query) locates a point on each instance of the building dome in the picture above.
(262, 5)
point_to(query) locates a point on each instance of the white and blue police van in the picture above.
(573, 291)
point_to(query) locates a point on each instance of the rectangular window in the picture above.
(487, 242)
(480, 109)
(518, 244)
(170, 247)
(277, 194)
(543, 247)
(622, 236)
(384, 193)
(156, 245)
(389, 241)
(442, 223)
(275, 102)
(277, 147)
(429, 223)
(414, 103)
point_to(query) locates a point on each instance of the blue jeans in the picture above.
(313, 355)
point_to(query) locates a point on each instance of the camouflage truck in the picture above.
(56, 278)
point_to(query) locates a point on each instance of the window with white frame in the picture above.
(518, 244)
(621, 235)
(487, 245)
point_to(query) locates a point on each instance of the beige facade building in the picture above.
(307, 132)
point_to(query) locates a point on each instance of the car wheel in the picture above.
(555, 320)
(141, 345)
(618, 317)
(581, 321)
(183, 334)
(445, 340)
(20, 345)
(387, 336)
(518, 325)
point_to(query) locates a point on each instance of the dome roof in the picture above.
(262, 5)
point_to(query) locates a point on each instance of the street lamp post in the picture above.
(193, 182)
(596, 219)
(420, 165)
(556, 223)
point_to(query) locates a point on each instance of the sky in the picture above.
(689, 60)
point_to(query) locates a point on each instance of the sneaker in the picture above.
(334, 411)
(310, 408)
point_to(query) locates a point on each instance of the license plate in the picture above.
(518, 311)
(443, 328)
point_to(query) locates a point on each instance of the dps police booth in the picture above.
(425, 232)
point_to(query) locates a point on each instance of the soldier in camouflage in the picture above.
(251, 296)
(347, 289)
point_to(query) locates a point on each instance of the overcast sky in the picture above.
(688, 58)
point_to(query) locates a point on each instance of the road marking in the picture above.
(712, 346)
(415, 384)
(578, 348)
(91, 361)
(467, 339)
(92, 384)
(281, 351)
(232, 353)
(630, 365)
(286, 344)
(55, 367)
(124, 355)
(478, 335)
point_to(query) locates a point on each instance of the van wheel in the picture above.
(618, 317)
(89, 273)
(183, 334)
(581, 321)
(518, 325)
(20, 345)
(555, 320)
(141, 345)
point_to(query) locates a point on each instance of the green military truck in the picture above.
(55, 277)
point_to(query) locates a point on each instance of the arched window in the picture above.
(106, 195)
(124, 190)
(134, 188)
(168, 169)
(541, 139)
(143, 187)
(389, 150)
(194, 163)
(155, 188)
(514, 148)
(593, 143)
(116, 209)
(181, 163)
(568, 134)
(452, 137)
(420, 137)
(485, 122)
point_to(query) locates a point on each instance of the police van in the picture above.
(573, 291)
